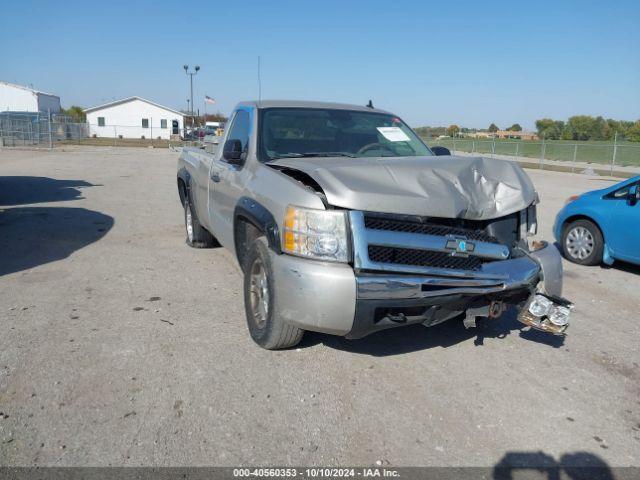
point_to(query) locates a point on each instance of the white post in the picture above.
(49, 121)
(615, 150)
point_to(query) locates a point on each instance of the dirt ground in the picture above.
(120, 345)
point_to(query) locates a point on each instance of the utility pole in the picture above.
(191, 74)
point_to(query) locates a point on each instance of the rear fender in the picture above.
(184, 178)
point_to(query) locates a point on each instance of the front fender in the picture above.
(261, 218)
(550, 262)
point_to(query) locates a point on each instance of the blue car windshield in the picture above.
(316, 132)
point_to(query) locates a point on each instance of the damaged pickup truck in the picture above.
(343, 221)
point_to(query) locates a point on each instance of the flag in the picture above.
(208, 99)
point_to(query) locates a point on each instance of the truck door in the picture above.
(225, 179)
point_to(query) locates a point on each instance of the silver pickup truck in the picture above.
(343, 221)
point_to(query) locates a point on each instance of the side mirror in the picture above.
(634, 195)
(232, 151)
(438, 150)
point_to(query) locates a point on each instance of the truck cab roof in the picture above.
(307, 104)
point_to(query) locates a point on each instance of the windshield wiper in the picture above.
(315, 154)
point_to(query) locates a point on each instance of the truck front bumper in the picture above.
(332, 298)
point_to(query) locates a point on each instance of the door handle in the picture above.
(215, 177)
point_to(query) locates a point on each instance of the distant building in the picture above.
(16, 98)
(480, 134)
(134, 117)
(519, 135)
(505, 134)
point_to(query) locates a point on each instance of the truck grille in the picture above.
(394, 225)
(422, 258)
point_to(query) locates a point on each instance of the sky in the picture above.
(432, 63)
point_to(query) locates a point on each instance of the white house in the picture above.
(16, 98)
(134, 117)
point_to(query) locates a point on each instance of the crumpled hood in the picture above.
(474, 188)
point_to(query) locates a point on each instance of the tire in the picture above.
(197, 235)
(582, 243)
(267, 329)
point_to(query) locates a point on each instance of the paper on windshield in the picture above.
(394, 134)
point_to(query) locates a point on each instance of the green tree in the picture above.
(75, 112)
(430, 132)
(585, 127)
(619, 127)
(549, 128)
(633, 132)
(515, 128)
(493, 128)
(611, 126)
(453, 130)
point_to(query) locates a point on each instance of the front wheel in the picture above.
(582, 242)
(267, 329)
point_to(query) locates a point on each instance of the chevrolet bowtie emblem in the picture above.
(460, 246)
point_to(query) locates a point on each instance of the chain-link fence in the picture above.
(48, 131)
(39, 129)
(575, 156)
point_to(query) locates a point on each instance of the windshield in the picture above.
(315, 132)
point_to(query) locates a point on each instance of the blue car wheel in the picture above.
(582, 242)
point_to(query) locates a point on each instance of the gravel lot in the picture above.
(119, 345)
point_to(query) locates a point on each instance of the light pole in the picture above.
(191, 74)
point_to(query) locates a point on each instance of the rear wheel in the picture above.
(267, 329)
(197, 235)
(582, 243)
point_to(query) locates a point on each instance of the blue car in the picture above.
(602, 225)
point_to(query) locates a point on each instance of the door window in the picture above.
(240, 130)
(621, 193)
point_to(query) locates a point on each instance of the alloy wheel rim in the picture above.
(259, 293)
(189, 223)
(580, 243)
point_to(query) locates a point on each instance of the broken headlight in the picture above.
(318, 234)
(549, 314)
(540, 306)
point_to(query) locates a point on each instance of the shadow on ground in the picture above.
(541, 465)
(27, 190)
(37, 235)
(412, 338)
(625, 267)
(32, 236)
(617, 265)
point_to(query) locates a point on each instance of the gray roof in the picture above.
(29, 89)
(129, 99)
(307, 104)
